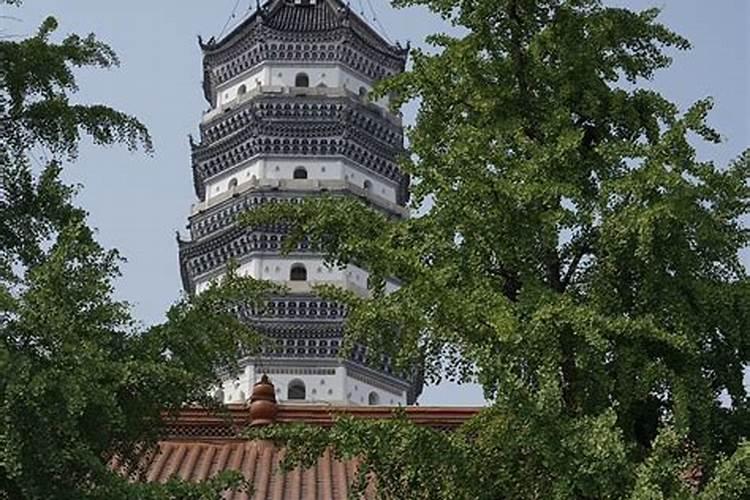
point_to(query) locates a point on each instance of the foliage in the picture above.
(410, 461)
(499, 456)
(36, 80)
(577, 259)
(80, 382)
(177, 490)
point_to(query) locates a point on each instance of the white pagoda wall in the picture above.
(277, 268)
(284, 75)
(331, 384)
(263, 168)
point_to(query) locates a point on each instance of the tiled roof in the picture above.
(289, 17)
(199, 444)
(259, 462)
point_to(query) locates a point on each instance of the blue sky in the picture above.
(138, 202)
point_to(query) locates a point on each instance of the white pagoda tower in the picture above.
(290, 118)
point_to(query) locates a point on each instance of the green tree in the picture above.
(81, 383)
(577, 259)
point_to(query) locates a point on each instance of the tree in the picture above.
(81, 385)
(577, 259)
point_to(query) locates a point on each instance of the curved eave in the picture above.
(383, 46)
(187, 283)
(216, 46)
(288, 194)
(261, 112)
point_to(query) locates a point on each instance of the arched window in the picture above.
(233, 183)
(362, 92)
(373, 399)
(298, 273)
(301, 80)
(242, 90)
(367, 186)
(300, 173)
(296, 390)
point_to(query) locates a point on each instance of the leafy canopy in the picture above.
(80, 382)
(577, 259)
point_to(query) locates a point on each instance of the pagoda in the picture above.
(291, 117)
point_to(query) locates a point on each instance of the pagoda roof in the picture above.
(324, 15)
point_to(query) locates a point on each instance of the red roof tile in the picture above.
(258, 461)
(199, 444)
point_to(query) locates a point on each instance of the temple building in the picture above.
(198, 444)
(291, 117)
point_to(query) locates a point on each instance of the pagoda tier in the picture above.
(321, 123)
(292, 117)
(220, 212)
(218, 237)
(323, 32)
(308, 343)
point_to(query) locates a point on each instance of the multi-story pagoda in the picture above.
(290, 118)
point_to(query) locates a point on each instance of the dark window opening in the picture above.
(373, 399)
(302, 80)
(296, 391)
(298, 273)
(300, 173)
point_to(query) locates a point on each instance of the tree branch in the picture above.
(573, 266)
(511, 282)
